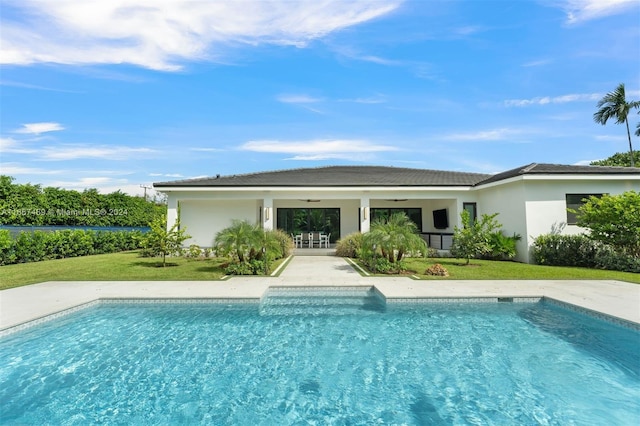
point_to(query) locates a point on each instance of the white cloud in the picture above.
(379, 99)
(206, 149)
(174, 175)
(537, 63)
(297, 99)
(318, 149)
(38, 128)
(15, 169)
(11, 145)
(584, 10)
(545, 100)
(104, 185)
(484, 135)
(161, 35)
(74, 152)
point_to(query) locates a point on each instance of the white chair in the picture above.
(297, 240)
(325, 239)
(310, 239)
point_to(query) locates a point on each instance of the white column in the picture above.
(365, 215)
(268, 214)
(172, 210)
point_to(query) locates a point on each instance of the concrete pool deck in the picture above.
(22, 304)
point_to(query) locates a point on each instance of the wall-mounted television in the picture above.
(440, 219)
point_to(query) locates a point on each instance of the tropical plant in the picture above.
(163, 241)
(472, 240)
(613, 220)
(241, 241)
(502, 247)
(392, 239)
(614, 105)
(349, 245)
(619, 159)
(249, 248)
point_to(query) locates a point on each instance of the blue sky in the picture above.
(115, 95)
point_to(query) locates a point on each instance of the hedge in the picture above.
(39, 245)
(581, 251)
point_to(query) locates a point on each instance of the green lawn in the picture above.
(490, 270)
(130, 267)
(127, 266)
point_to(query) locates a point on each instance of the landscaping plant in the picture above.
(160, 241)
(249, 248)
(472, 240)
(388, 241)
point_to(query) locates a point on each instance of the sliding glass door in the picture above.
(304, 220)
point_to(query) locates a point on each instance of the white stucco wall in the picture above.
(203, 219)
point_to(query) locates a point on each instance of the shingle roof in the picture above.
(560, 169)
(336, 176)
(345, 176)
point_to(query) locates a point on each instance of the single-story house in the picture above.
(530, 200)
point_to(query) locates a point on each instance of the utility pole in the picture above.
(145, 190)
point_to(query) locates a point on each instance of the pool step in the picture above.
(321, 300)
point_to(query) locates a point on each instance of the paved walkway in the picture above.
(21, 304)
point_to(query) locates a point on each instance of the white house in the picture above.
(530, 200)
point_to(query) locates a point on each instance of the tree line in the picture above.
(28, 204)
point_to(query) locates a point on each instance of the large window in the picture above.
(415, 214)
(302, 220)
(574, 202)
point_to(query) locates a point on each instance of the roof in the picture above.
(560, 169)
(345, 176)
(350, 176)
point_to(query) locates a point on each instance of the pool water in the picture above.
(335, 360)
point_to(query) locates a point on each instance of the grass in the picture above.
(492, 270)
(129, 266)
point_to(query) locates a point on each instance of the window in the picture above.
(472, 208)
(574, 202)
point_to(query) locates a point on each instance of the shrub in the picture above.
(608, 258)
(39, 245)
(472, 240)
(7, 248)
(252, 267)
(614, 220)
(565, 250)
(350, 245)
(502, 247)
(193, 251)
(382, 265)
(284, 241)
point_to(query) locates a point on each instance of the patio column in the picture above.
(172, 211)
(268, 214)
(365, 215)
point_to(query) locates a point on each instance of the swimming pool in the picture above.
(324, 360)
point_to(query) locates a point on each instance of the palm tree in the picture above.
(395, 237)
(614, 105)
(241, 240)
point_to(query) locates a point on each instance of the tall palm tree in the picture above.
(614, 105)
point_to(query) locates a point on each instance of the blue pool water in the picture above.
(341, 361)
